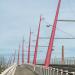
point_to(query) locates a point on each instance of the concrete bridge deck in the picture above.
(24, 70)
(30, 69)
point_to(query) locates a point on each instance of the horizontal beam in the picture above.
(57, 38)
(64, 38)
(66, 20)
(39, 46)
(31, 51)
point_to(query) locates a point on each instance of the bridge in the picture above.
(29, 69)
(41, 69)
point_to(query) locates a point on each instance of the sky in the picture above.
(18, 16)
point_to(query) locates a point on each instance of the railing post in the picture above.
(53, 71)
(66, 72)
(73, 73)
(61, 72)
(48, 71)
(43, 70)
(56, 71)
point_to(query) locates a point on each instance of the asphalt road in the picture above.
(23, 70)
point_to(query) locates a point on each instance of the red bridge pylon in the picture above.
(23, 51)
(36, 46)
(28, 61)
(19, 55)
(48, 56)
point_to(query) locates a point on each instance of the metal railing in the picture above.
(41, 70)
(52, 71)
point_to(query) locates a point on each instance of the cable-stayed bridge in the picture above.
(46, 68)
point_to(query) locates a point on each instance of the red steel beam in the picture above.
(28, 61)
(23, 51)
(48, 56)
(36, 46)
(19, 55)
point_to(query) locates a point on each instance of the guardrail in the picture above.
(10, 70)
(41, 70)
(54, 71)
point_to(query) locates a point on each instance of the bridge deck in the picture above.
(23, 70)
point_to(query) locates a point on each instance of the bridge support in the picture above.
(28, 61)
(23, 51)
(48, 56)
(36, 46)
(19, 55)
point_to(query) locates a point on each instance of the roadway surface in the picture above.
(24, 70)
(29, 69)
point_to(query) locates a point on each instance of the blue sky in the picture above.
(18, 16)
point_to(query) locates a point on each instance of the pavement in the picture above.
(24, 70)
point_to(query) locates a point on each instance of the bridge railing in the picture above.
(52, 71)
(10, 70)
(41, 70)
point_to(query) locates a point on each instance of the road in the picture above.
(30, 69)
(24, 70)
